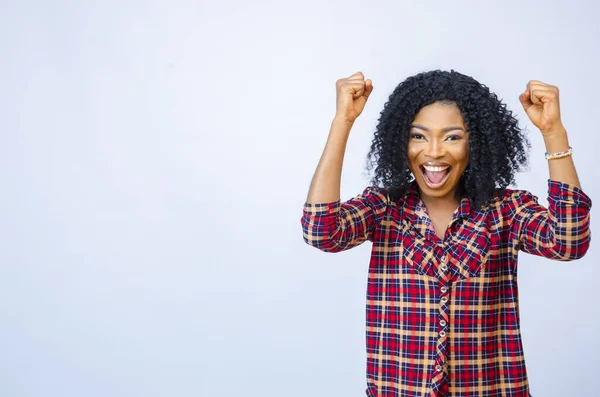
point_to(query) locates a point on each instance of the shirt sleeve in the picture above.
(337, 226)
(560, 232)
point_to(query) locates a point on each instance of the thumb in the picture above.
(368, 88)
(525, 99)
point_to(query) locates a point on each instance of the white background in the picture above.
(155, 157)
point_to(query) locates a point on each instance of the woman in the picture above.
(442, 298)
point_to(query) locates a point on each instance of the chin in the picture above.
(437, 192)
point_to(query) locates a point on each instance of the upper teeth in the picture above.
(435, 169)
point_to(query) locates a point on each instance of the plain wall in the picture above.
(155, 157)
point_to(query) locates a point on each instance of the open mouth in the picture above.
(435, 177)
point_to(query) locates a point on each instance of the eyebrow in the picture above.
(446, 129)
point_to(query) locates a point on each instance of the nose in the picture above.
(435, 149)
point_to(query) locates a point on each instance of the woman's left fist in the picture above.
(541, 104)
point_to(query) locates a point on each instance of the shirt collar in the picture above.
(416, 211)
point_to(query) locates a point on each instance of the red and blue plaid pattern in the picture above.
(443, 314)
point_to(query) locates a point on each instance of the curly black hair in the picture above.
(497, 146)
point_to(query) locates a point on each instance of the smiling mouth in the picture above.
(435, 177)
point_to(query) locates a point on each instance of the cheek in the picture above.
(461, 154)
(412, 155)
(412, 152)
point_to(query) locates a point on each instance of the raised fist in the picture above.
(352, 95)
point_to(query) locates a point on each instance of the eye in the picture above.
(416, 135)
(453, 137)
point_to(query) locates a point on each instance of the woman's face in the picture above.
(438, 149)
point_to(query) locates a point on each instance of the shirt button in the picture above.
(438, 368)
(444, 299)
(444, 267)
(444, 289)
(443, 323)
(444, 259)
(442, 333)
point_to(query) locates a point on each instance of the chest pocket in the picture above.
(467, 249)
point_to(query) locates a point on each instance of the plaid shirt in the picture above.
(443, 315)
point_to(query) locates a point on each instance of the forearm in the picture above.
(563, 169)
(325, 185)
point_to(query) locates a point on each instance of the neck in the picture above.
(447, 203)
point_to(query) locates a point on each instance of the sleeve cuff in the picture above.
(322, 209)
(564, 192)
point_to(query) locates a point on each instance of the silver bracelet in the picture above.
(559, 155)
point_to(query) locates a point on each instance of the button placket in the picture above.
(444, 263)
(443, 298)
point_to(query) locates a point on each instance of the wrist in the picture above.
(342, 121)
(556, 141)
(341, 125)
(340, 128)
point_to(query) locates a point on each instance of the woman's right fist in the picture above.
(352, 95)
